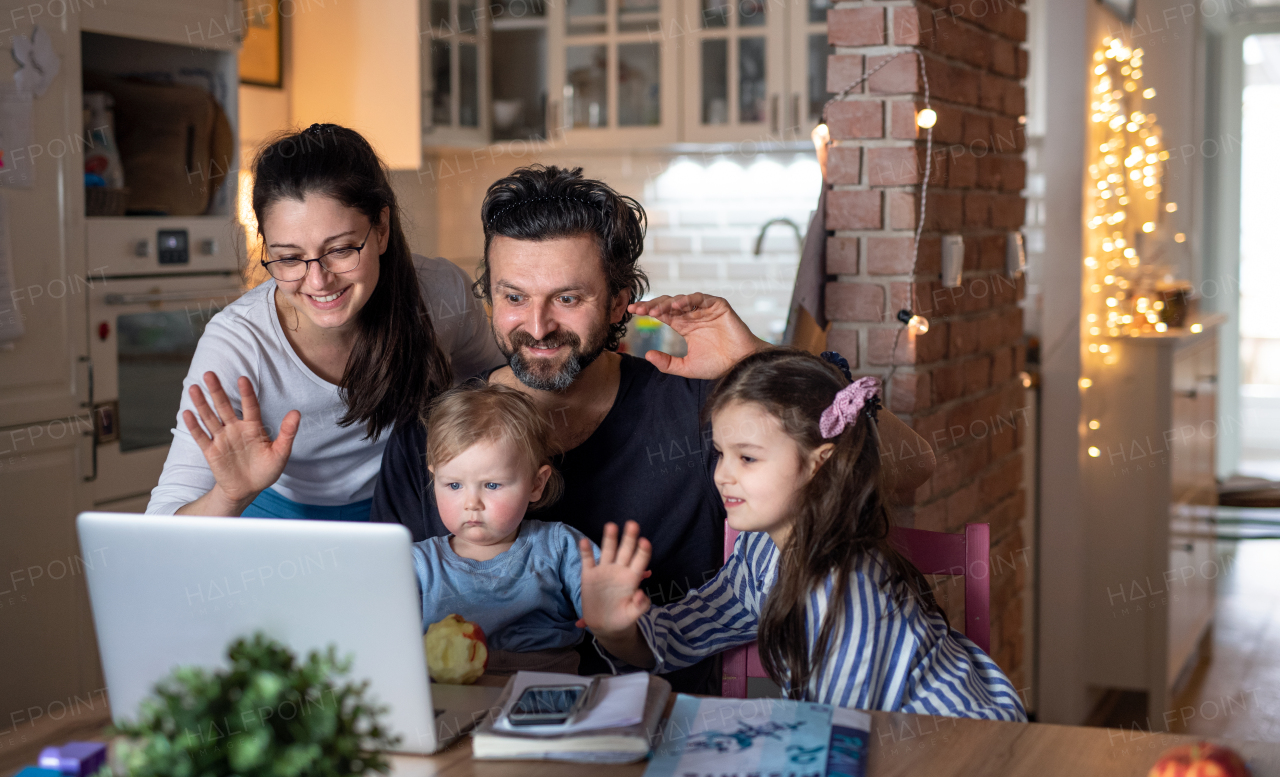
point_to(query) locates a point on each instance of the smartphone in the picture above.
(548, 705)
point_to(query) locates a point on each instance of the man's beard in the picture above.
(542, 374)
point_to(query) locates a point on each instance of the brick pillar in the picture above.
(958, 385)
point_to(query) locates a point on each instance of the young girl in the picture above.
(840, 617)
(489, 457)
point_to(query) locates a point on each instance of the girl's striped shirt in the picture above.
(883, 655)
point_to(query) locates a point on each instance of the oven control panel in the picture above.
(162, 245)
(171, 244)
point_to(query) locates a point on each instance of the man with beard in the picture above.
(561, 273)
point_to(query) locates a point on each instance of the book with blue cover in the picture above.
(708, 737)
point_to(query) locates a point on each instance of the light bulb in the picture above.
(926, 118)
(1149, 227)
(1094, 452)
(821, 136)
(1095, 424)
(1149, 93)
(1197, 329)
(1162, 327)
(1180, 238)
(918, 325)
(1171, 207)
(1085, 383)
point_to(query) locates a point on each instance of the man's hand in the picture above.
(612, 601)
(717, 338)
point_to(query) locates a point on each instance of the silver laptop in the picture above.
(174, 591)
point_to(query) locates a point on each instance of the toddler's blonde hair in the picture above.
(482, 412)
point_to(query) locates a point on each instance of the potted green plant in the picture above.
(267, 715)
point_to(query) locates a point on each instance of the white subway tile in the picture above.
(673, 244)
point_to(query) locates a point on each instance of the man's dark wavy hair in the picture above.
(544, 203)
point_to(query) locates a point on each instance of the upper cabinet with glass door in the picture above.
(455, 73)
(613, 72)
(807, 83)
(735, 69)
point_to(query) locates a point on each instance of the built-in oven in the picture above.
(143, 330)
(143, 333)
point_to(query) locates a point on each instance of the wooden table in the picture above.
(901, 746)
(920, 746)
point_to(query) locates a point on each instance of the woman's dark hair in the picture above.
(841, 515)
(396, 365)
(543, 203)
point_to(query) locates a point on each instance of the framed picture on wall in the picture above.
(260, 62)
(1123, 8)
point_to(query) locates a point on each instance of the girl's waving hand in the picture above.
(612, 601)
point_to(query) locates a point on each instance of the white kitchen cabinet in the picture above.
(48, 651)
(622, 74)
(1148, 471)
(212, 24)
(735, 65)
(612, 73)
(455, 81)
(806, 67)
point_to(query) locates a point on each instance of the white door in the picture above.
(41, 373)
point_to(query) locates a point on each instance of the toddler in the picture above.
(488, 456)
(840, 617)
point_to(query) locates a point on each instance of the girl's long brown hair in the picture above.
(840, 516)
(396, 365)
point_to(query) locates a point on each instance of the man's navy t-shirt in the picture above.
(649, 461)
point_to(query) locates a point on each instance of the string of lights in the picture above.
(1122, 213)
(926, 119)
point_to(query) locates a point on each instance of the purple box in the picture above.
(80, 759)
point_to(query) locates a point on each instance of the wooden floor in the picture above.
(1236, 693)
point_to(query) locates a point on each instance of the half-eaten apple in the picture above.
(456, 650)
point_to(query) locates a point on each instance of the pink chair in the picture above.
(933, 553)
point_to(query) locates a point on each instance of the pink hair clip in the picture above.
(848, 403)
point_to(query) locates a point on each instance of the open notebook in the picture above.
(619, 727)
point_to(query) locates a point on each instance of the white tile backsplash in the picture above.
(720, 204)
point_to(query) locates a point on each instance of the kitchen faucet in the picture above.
(783, 220)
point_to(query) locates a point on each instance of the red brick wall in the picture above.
(958, 385)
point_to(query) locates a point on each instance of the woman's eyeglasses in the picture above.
(337, 261)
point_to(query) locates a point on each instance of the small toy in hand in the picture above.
(1203, 759)
(80, 759)
(456, 650)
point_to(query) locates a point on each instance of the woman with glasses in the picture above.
(295, 387)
